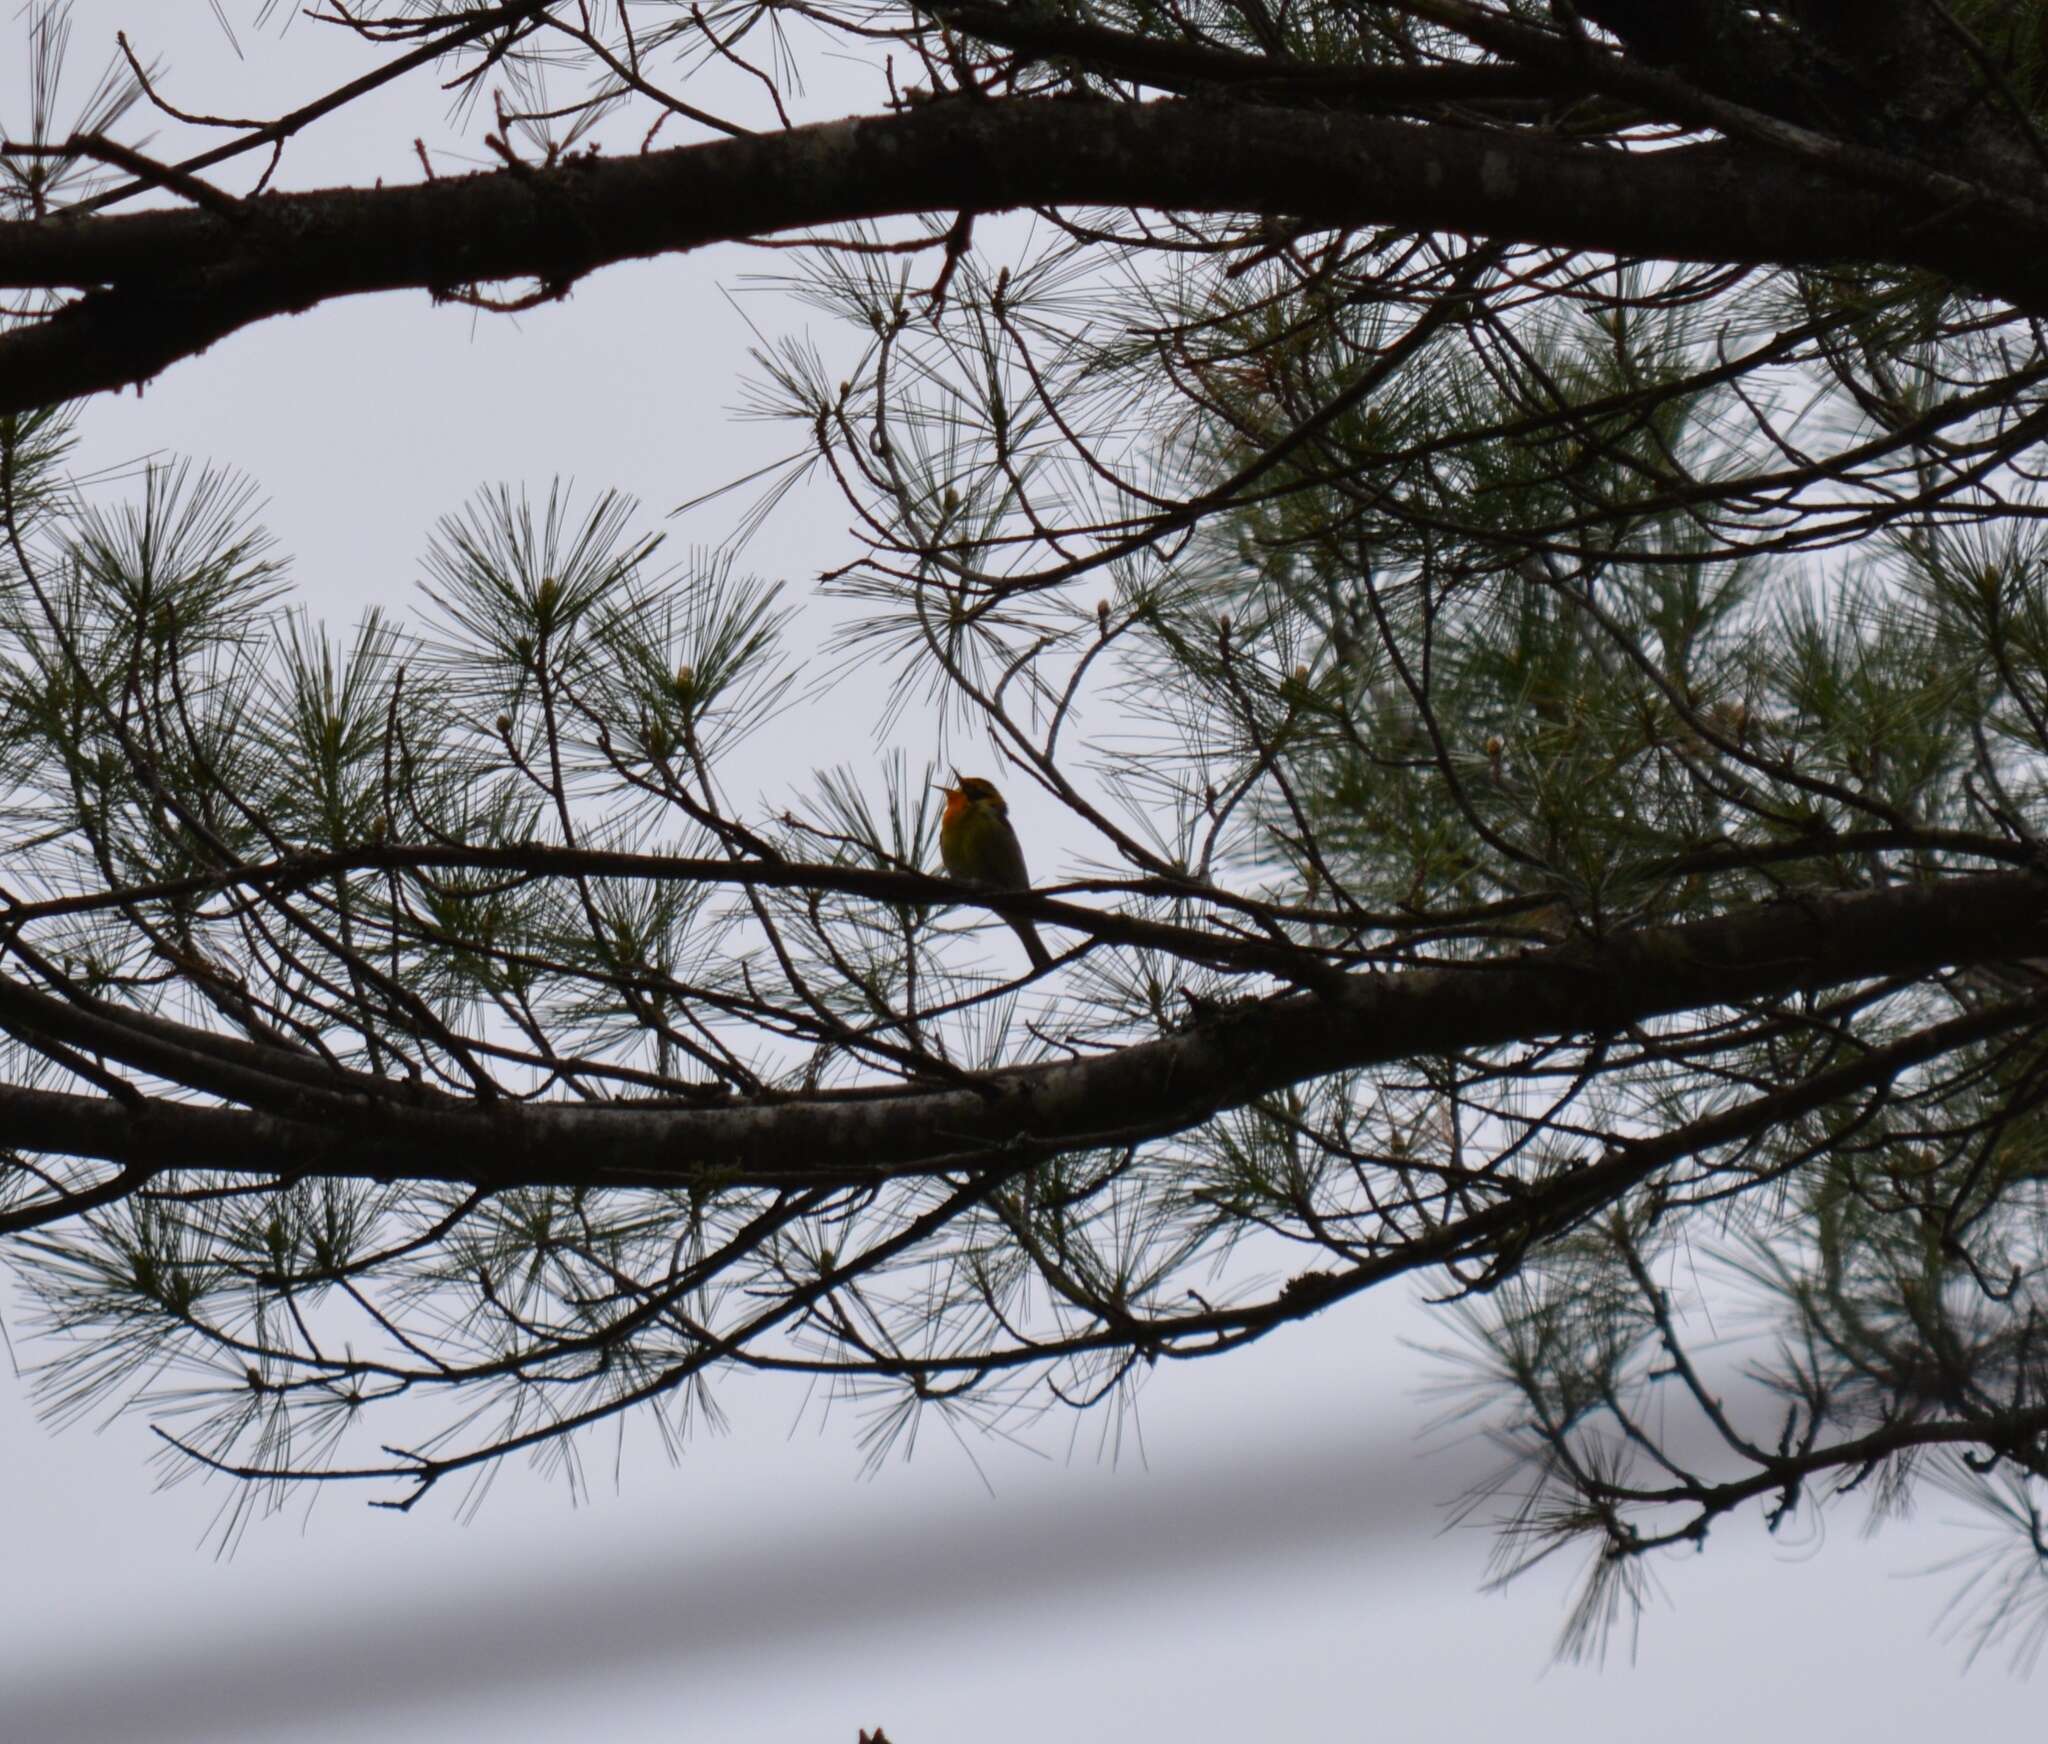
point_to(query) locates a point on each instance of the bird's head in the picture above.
(971, 792)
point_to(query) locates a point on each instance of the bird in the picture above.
(979, 846)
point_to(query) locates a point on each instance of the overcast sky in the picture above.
(1270, 1563)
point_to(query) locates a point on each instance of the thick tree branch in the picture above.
(161, 286)
(1148, 1090)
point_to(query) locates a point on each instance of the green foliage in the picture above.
(1380, 618)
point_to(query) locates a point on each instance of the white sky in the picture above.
(1272, 1567)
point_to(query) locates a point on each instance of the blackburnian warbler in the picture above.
(979, 847)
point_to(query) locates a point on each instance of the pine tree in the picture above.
(1510, 532)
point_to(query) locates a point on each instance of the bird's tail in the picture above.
(1034, 946)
